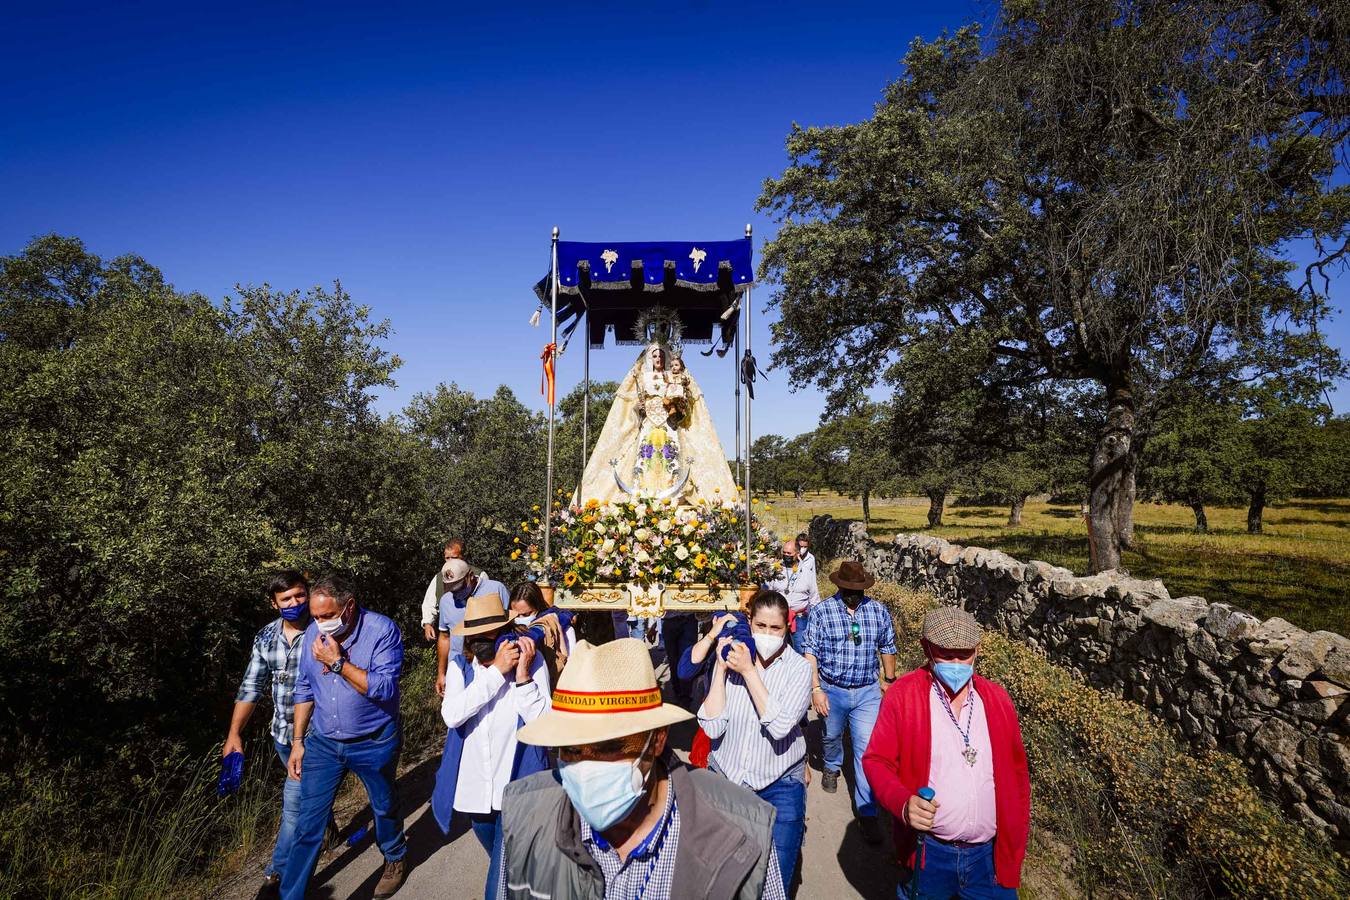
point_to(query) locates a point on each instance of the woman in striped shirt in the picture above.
(753, 713)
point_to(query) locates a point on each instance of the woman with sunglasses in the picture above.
(752, 715)
(843, 638)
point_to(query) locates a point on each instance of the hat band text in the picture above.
(606, 701)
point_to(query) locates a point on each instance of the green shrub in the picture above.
(1142, 814)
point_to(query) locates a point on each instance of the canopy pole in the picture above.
(586, 398)
(736, 376)
(749, 529)
(548, 480)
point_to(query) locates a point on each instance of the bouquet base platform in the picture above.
(647, 600)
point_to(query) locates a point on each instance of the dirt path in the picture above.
(836, 863)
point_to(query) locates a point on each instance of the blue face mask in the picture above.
(601, 792)
(954, 675)
(295, 613)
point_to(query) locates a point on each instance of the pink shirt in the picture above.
(966, 792)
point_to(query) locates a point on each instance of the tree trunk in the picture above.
(1254, 512)
(936, 500)
(867, 507)
(1201, 522)
(1111, 486)
(1015, 514)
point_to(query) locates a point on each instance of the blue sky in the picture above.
(421, 155)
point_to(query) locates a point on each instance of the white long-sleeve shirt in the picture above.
(495, 706)
(798, 587)
(754, 750)
(431, 600)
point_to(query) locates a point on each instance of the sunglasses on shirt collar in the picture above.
(855, 632)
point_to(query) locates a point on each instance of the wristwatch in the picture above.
(336, 668)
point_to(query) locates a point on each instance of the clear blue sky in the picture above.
(422, 155)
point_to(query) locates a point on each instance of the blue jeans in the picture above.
(290, 813)
(788, 796)
(680, 633)
(487, 827)
(965, 872)
(856, 708)
(375, 761)
(799, 636)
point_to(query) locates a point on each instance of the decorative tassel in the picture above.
(534, 319)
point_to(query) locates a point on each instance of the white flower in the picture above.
(642, 556)
(623, 528)
(687, 530)
(599, 527)
(681, 553)
(608, 545)
(642, 534)
(664, 525)
(640, 510)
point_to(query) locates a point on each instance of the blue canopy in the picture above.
(617, 281)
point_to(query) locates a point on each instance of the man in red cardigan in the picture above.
(944, 727)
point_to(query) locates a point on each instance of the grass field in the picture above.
(1299, 569)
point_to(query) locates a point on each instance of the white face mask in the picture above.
(766, 645)
(329, 626)
(525, 620)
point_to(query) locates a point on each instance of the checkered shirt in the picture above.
(272, 660)
(829, 639)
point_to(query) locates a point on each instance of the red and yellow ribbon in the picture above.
(546, 386)
(606, 701)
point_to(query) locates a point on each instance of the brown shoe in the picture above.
(271, 888)
(391, 880)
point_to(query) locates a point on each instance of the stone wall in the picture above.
(1269, 692)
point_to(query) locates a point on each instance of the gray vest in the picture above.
(726, 835)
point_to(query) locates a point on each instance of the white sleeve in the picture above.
(531, 700)
(429, 601)
(462, 703)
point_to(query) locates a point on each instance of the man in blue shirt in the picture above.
(460, 585)
(346, 719)
(843, 637)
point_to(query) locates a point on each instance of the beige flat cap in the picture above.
(951, 628)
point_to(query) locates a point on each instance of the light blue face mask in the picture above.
(953, 674)
(602, 792)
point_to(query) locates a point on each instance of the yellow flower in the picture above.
(581, 559)
(570, 579)
(658, 438)
(524, 526)
(534, 556)
(592, 503)
(701, 561)
(515, 554)
(536, 507)
(516, 540)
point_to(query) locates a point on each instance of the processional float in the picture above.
(658, 523)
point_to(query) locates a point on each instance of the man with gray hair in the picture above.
(943, 727)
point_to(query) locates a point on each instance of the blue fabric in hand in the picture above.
(739, 630)
(231, 774)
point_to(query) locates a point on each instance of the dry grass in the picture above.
(1299, 569)
(1119, 808)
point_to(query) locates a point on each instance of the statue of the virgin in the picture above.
(658, 440)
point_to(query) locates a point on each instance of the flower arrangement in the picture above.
(648, 542)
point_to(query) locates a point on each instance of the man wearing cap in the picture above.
(431, 600)
(622, 816)
(843, 638)
(798, 587)
(944, 727)
(491, 689)
(460, 585)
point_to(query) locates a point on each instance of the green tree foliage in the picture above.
(1098, 194)
(1193, 455)
(859, 441)
(1276, 451)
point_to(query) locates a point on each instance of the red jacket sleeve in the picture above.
(881, 760)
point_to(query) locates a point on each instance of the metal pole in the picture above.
(736, 374)
(548, 480)
(749, 530)
(586, 398)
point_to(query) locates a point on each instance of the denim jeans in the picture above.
(857, 709)
(799, 636)
(290, 813)
(788, 796)
(487, 827)
(680, 632)
(375, 761)
(965, 872)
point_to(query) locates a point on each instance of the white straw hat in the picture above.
(606, 692)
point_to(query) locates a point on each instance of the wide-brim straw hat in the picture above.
(606, 692)
(482, 613)
(851, 576)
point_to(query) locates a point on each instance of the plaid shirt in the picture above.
(272, 660)
(829, 638)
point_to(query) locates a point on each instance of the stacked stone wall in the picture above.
(1269, 692)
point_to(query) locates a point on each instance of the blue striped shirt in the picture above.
(829, 638)
(754, 750)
